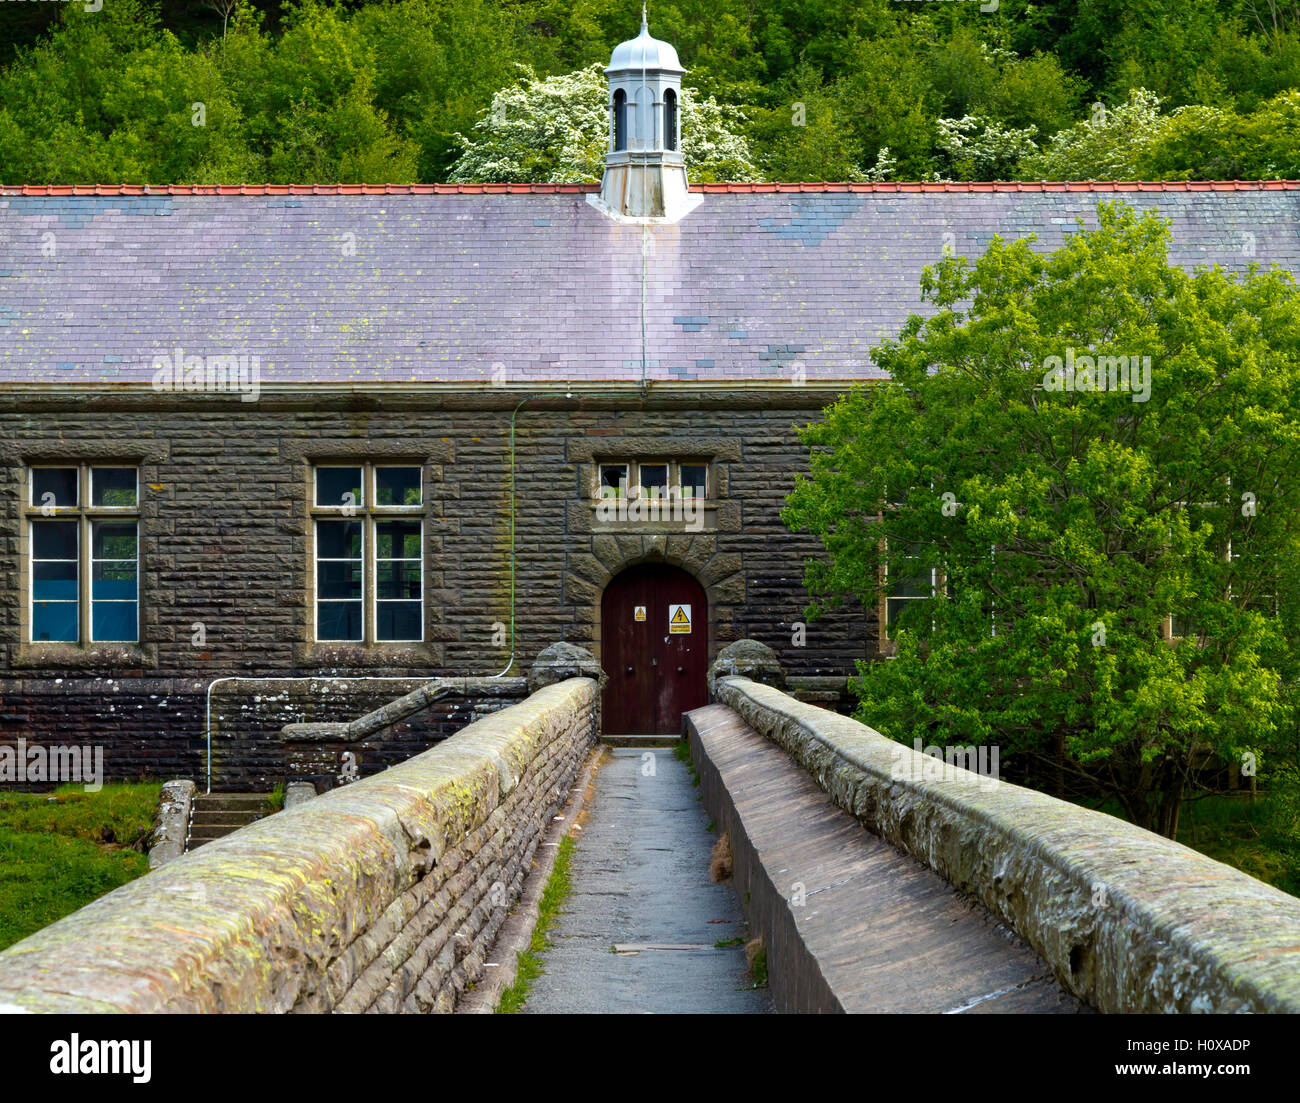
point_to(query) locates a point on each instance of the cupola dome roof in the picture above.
(644, 52)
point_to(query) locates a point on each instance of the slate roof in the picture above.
(529, 283)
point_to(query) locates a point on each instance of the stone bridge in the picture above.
(870, 883)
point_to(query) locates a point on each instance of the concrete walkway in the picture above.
(640, 877)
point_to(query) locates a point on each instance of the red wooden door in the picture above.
(656, 668)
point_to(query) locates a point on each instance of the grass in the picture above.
(1238, 831)
(1241, 832)
(275, 799)
(57, 855)
(758, 967)
(529, 966)
(682, 752)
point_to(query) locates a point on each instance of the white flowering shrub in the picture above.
(978, 148)
(1108, 145)
(714, 151)
(882, 170)
(554, 130)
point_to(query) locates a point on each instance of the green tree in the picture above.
(808, 134)
(890, 104)
(1108, 145)
(1067, 526)
(875, 77)
(1194, 142)
(437, 62)
(348, 142)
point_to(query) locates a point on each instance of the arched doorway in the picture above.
(654, 631)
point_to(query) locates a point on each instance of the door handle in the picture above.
(629, 670)
(679, 670)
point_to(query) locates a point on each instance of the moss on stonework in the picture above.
(264, 918)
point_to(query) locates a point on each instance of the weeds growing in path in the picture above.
(529, 966)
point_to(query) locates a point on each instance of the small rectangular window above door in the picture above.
(654, 480)
(613, 480)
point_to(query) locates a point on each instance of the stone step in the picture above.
(639, 740)
(216, 815)
(227, 815)
(234, 801)
(213, 830)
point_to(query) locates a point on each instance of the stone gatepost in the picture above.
(562, 661)
(747, 659)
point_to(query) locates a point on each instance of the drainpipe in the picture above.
(645, 247)
(207, 720)
(207, 717)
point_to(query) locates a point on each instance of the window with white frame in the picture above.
(369, 551)
(1182, 626)
(83, 540)
(653, 479)
(911, 581)
(1265, 603)
(911, 578)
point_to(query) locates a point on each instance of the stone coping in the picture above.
(851, 924)
(420, 698)
(1129, 921)
(171, 822)
(253, 921)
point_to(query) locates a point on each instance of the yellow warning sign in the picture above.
(639, 613)
(679, 620)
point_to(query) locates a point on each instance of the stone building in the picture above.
(283, 432)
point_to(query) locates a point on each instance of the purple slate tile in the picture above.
(441, 287)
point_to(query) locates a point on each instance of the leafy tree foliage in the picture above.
(1067, 526)
(820, 89)
(980, 149)
(1136, 142)
(552, 130)
(1106, 146)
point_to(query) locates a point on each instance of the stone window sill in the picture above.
(704, 519)
(72, 656)
(715, 516)
(351, 655)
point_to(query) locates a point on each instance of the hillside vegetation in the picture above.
(229, 91)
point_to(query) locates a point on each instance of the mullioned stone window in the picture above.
(368, 531)
(654, 480)
(83, 544)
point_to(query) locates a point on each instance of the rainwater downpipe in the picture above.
(207, 717)
(645, 247)
(207, 720)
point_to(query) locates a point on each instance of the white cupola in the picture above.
(645, 172)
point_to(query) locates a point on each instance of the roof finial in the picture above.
(645, 25)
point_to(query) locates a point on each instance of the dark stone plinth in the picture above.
(562, 661)
(748, 659)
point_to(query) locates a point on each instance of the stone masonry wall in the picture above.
(154, 728)
(225, 526)
(1130, 922)
(382, 896)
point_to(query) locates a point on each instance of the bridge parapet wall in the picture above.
(384, 895)
(1128, 920)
